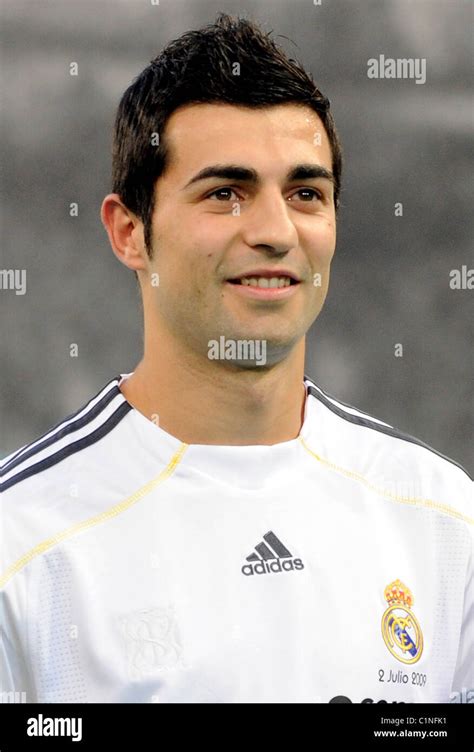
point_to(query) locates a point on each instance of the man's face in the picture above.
(217, 229)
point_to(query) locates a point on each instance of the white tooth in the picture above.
(265, 282)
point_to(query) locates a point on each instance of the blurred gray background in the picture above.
(403, 142)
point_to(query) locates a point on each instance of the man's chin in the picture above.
(249, 352)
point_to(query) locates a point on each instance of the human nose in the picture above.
(267, 223)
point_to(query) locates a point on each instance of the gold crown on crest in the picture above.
(398, 593)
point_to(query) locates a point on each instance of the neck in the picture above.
(199, 401)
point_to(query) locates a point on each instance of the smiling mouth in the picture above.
(264, 282)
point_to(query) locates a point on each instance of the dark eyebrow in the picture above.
(249, 175)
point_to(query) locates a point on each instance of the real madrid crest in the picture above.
(400, 629)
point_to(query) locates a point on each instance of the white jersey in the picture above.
(337, 566)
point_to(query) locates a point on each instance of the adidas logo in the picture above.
(271, 556)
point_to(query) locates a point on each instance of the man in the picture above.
(214, 527)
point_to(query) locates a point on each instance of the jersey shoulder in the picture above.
(385, 457)
(53, 483)
(59, 447)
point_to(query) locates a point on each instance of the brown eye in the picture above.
(310, 191)
(225, 189)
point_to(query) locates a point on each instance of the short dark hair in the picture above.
(198, 68)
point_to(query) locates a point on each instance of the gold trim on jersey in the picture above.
(415, 501)
(102, 517)
(167, 472)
